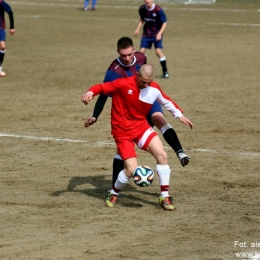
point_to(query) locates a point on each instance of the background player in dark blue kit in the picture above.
(93, 7)
(155, 22)
(127, 64)
(4, 7)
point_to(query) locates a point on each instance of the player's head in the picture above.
(149, 3)
(145, 76)
(126, 50)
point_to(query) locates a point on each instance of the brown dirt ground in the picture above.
(52, 190)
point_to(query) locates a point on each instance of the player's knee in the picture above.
(158, 120)
(2, 45)
(159, 53)
(129, 170)
(162, 158)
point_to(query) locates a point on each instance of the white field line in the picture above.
(137, 6)
(104, 143)
(43, 138)
(132, 7)
(128, 20)
(234, 24)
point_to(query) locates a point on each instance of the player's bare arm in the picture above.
(87, 97)
(159, 34)
(186, 121)
(138, 27)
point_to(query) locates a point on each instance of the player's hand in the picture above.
(158, 37)
(90, 121)
(186, 121)
(136, 32)
(86, 98)
(12, 31)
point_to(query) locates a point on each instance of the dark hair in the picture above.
(124, 43)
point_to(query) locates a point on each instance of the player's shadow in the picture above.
(100, 186)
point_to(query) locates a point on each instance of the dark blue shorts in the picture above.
(2, 35)
(147, 43)
(155, 108)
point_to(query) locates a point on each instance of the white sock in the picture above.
(164, 172)
(121, 181)
(164, 128)
(117, 156)
(162, 58)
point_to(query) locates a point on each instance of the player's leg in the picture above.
(158, 50)
(145, 44)
(118, 166)
(94, 5)
(143, 50)
(85, 6)
(127, 150)
(155, 147)
(156, 117)
(2, 51)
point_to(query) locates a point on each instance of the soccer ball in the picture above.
(143, 176)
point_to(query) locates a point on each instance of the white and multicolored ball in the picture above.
(143, 176)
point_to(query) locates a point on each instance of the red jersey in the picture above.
(130, 104)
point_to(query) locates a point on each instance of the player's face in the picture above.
(143, 82)
(149, 3)
(126, 55)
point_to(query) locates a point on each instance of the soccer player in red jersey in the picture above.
(4, 7)
(128, 64)
(132, 99)
(154, 20)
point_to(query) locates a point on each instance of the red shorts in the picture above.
(126, 145)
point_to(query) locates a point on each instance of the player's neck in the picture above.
(124, 65)
(151, 8)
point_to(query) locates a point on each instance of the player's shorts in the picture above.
(156, 107)
(147, 43)
(126, 145)
(2, 35)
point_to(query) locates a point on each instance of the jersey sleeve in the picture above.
(8, 9)
(101, 101)
(108, 88)
(169, 104)
(162, 16)
(140, 11)
(110, 76)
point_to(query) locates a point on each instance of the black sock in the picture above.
(118, 166)
(171, 138)
(163, 64)
(2, 54)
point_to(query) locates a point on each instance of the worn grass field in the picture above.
(55, 173)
